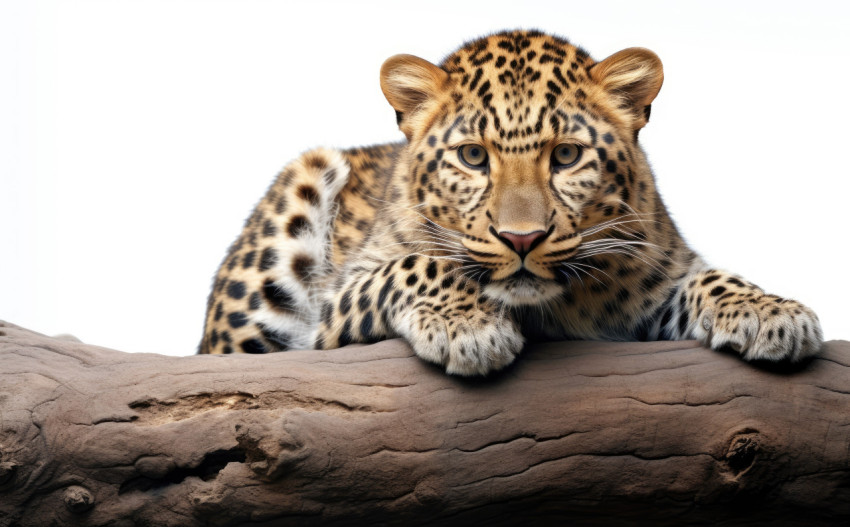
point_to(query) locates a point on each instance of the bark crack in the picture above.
(685, 403)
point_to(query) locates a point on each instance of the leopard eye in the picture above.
(565, 155)
(473, 156)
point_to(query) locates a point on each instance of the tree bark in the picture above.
(582, 432)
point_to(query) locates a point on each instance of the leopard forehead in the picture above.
(520, 81)
(521, 55)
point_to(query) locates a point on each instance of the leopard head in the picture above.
(523, 148)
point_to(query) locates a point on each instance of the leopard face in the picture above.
(520, 146)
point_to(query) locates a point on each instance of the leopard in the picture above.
(519, 208)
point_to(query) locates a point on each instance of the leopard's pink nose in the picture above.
(521, 243)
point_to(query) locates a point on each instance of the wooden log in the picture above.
(584, 432)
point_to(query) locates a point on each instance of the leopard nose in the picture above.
(522, 244)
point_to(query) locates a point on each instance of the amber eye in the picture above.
(565, 155)
(473, 156)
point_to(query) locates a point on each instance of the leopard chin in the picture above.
(522, 289)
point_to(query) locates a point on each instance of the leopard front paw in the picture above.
(762, 328)
(465, 339)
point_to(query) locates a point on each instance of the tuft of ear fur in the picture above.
(635, 75)
(408, 83)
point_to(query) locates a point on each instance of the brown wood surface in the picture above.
(575, 433)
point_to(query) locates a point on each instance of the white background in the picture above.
(136, 136)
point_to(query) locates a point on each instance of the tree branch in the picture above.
(595, 432)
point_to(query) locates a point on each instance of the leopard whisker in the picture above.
(613, 242)
(577, 269)
(625, 219)
(592, 267)
(629, 251)
(573, 276)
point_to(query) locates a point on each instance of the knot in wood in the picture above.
(78, 499)
(742, 452)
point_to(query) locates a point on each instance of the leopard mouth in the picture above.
(522, 288)
(523, 274)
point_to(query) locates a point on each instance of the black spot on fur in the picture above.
(329, 176)
(409, 262)
(366, 326)
(237, 319)
(385, 291)
(708, 279)
(315, 160)
(302, 266)
(268, 258)
(431, 270)
(603, 154)
(309, 194)
(345, 303)
(236, 290)
(298, 225)
(345, 335)
(281, 341)
(254, 301)
(253, 346)
(280, 205)
(363, 302)
(366, 285)
(277, 296)
(717, 291)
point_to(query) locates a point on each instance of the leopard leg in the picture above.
(723, 310)
(267, 293)
(430, 304)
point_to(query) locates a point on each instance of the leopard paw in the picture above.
(762, 328)
(465, 340)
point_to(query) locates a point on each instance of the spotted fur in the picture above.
(468, 262)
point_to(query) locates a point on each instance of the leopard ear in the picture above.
(408, 83)
(635, 75)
